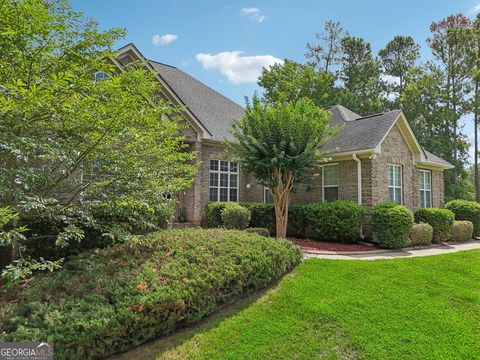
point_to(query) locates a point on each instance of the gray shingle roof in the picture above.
(359, 133)
(435, 158)
(216, 113)
(213, 110)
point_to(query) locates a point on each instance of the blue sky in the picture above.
(225, 43)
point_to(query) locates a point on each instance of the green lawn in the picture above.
(419, 308)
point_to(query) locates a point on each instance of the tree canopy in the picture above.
(281, 144)
(70, 136)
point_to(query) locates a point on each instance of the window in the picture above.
(267, 197)
(223, 180)
(100, 76)
(330, 182)
(425, 182)
(395, 194)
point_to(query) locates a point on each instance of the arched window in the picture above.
(100, 76)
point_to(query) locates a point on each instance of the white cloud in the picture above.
(253, 13)
(237, 67)
(475, 10)
(163, 39)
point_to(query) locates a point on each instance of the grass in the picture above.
(419, 308)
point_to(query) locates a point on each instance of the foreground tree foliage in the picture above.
(280, 144)
(68, 139)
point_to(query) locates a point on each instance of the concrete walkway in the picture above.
(393, 254)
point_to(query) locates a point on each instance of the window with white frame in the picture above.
(425, 182)
(395, 192)
(267, 197)
(330, 182)
(223, 180)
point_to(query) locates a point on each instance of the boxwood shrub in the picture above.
(336, 220)
(462, 231)
(392, 225)
(110, 300)
(466, 210)
(235, 216)
(213, 212)
(259, 231)
(440, 219)
(261, 216)
(421, 235)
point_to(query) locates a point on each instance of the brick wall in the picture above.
(374, 179)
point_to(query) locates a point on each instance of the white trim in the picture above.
(330, 186)
(394, 187)
(265, 194)
(196, 122)
(420, 189)
(359, 178)
(219, 172)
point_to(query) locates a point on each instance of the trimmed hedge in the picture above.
(421, 235)
(262, 216)
(213, 212)
(440, 219)
(466, 210)
(337, 220)
(462, 231)
(113, 299)
(235, 216)
(259, 231)
(392, 225)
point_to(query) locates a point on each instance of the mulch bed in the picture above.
(331, 246)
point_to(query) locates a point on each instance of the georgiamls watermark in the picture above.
(26, 351)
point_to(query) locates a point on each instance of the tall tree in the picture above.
(398, 56)
(360, 74)
(325, 55)
(67, 138)
(451, 42)
(291, 81)
(424, 103)
(279, 144)
(476, 101)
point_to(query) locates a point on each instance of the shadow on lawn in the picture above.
(155, 348)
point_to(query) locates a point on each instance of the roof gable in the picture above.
(362, 133)
(367, 133)
(213, 110)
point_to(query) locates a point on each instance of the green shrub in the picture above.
(259, 231)
(213, 212)
(462, 231)
(466, 210)
(102, 224)
(421, 234)
(392, 225)
(261, 216)
(297, 221)
(113, 299)
(336, 220)
(440, 219)
(235, 216)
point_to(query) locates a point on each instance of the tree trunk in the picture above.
(281, 198)
(475, 150)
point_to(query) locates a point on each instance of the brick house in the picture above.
(373, 159)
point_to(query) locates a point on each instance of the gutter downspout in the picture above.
(359, 185)
(359, 178)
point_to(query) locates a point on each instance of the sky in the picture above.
(225, 43)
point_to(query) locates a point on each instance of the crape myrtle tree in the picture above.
(67, 139)
(279, 144)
